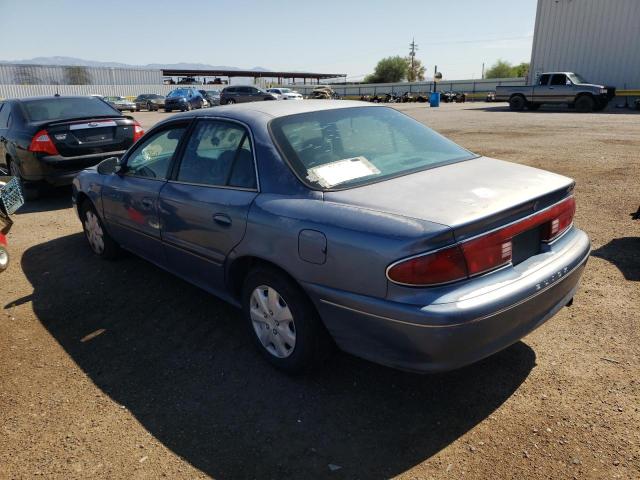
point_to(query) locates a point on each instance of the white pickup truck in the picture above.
(557, 88)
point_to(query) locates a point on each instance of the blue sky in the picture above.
(322, 35)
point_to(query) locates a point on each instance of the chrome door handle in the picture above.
(222, 219)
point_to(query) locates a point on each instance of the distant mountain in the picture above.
(152, 66)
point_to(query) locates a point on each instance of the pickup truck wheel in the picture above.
(517, 103)
(533, 106)
(283, 322)
(584, 104)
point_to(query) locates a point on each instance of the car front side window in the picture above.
(218, 154)
(153, 157)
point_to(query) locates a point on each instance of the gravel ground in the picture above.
(120, 370)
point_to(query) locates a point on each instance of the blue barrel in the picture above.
(434, 99)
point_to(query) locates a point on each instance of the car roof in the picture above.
(48, 97)
(276, 109)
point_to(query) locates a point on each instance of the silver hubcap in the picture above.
(94, 232)
(272, 321)
(4, 258)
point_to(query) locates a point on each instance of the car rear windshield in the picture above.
(346, 147)
(60, 108)
(178, 93)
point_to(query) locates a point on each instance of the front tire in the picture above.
(585, 104)
(99, 239)
(283, 322)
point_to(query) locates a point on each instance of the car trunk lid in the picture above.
(88, 136)
(471, 197)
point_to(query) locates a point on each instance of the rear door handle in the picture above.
(222, 219)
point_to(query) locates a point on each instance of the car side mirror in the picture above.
(109, 166)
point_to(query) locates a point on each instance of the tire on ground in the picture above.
(517, 103)
(111, 249)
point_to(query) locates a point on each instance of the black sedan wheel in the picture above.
(283, 322)
(30, 191)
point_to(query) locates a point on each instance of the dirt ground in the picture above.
(120, 370)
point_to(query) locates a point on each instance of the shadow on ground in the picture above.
(182, 363)
(49, 200)
(624, 253)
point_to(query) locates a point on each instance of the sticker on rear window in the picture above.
(341, 171)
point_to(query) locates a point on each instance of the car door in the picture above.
(130, 198)
(204, 207)
(541, 89)
(560, 88)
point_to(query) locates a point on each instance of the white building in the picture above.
(599, 39)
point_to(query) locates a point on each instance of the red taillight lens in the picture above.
(41, 142)
(481, 254)
(443, 266)
(138, 132)
(561, 218)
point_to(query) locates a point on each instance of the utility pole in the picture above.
(412, 54)
(482, 76)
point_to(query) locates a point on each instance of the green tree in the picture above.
(500, 69)
(521, 70)
(388, 70)
(417, 72)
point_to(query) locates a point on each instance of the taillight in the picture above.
(483, 253)
(41, 142)
(443, 266)
(138, 132)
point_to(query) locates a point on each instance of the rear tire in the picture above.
(517, 103)
(231, 101)
(99, 239)
(283, 322)
(584, 104)
(30, 191)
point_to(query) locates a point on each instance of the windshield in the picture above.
(346, 147)
(181, 92)
(60, 108)
(575, 78)
(154, 96)
(285, 90)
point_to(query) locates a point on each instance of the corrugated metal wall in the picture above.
(20, 91)
(596, 38)
(16, 74)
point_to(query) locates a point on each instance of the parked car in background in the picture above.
(49, 139)
(346, 220)
(491, 97)
(557, 88)
(242, 94)
(285, 93)
(183, 99)
(212, 97)
(120, 103)
(149, 101)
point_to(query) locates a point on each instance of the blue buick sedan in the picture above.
(342, 222)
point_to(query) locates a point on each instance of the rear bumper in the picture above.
(57, 170)
(445, 336)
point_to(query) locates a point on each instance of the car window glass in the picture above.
(4, 115)
(544, 79)
(559, 80)
(218, 154)
(153, 157)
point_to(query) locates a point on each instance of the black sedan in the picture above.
(149, 101)
(50, 139)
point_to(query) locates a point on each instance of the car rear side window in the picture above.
(5, 109)
(61, 108)
(152, 158)
(218, 154)
(543, 80)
